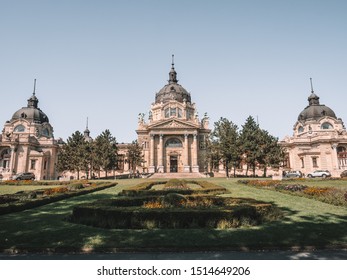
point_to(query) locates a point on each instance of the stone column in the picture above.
(151, 155)
(186, 154)
(195, 167)
(12, 161)
(335, 161)
(160, 155)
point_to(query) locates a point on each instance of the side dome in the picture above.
(31, 113)
(173, 90)
(34, 115)
(315, 110)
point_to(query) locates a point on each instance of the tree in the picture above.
(134, 155)
(249, 138)
(259, 147)
(212, 157)
(105, 151)
(225, 138)
(271, 153)
(74, 154)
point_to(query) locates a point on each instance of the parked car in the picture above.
(1, 177)
(319, 173)
(343, 174)
(293, 174)
(24, 176)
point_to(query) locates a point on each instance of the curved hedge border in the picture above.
(128, 213)
(144, 189)
(32, 201)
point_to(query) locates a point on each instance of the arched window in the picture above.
(300, 129)
(173, 143)
(19, 128)
(326, 125)
(45, 132)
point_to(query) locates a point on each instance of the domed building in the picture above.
(27, 143)
(319, 140)
(173, 138)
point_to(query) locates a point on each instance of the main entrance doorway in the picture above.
(173, 164)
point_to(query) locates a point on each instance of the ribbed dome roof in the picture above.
(31, 113)
(173, 90)
(315, 110)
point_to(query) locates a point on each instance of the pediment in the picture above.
(173, 124)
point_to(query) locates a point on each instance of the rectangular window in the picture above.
(172, 111)
(314, 162)
(189, 116)
(167, 112)
(179, 113)
(32, 164)
(45, 165)
(302, 163)
(202, 142)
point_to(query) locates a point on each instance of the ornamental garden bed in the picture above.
(331, 195)
(175, 206)
(23, 200)
(187, 187)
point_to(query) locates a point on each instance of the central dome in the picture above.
(173, 90)
(315, 111)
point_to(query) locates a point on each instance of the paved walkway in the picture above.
(230, 255)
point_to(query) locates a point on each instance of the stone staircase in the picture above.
(177, 175)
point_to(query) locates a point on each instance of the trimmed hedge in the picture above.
(26, 200)
(128, 213)
(144, 189)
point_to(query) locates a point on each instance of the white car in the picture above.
(319, 173)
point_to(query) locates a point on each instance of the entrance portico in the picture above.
(173, 153)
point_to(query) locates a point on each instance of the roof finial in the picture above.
(173, 74)
(87, 123)
(311, 86)
(34, 87)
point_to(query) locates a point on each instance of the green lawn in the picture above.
(307, 223)
(10, 189)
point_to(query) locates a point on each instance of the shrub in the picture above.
(153, 204)
(55, 190)
(174, 183)
(315, 191)
(259, 183)
(291, 188)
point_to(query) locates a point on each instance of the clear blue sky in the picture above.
(106, 59)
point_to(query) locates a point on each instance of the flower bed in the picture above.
(328, 195)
